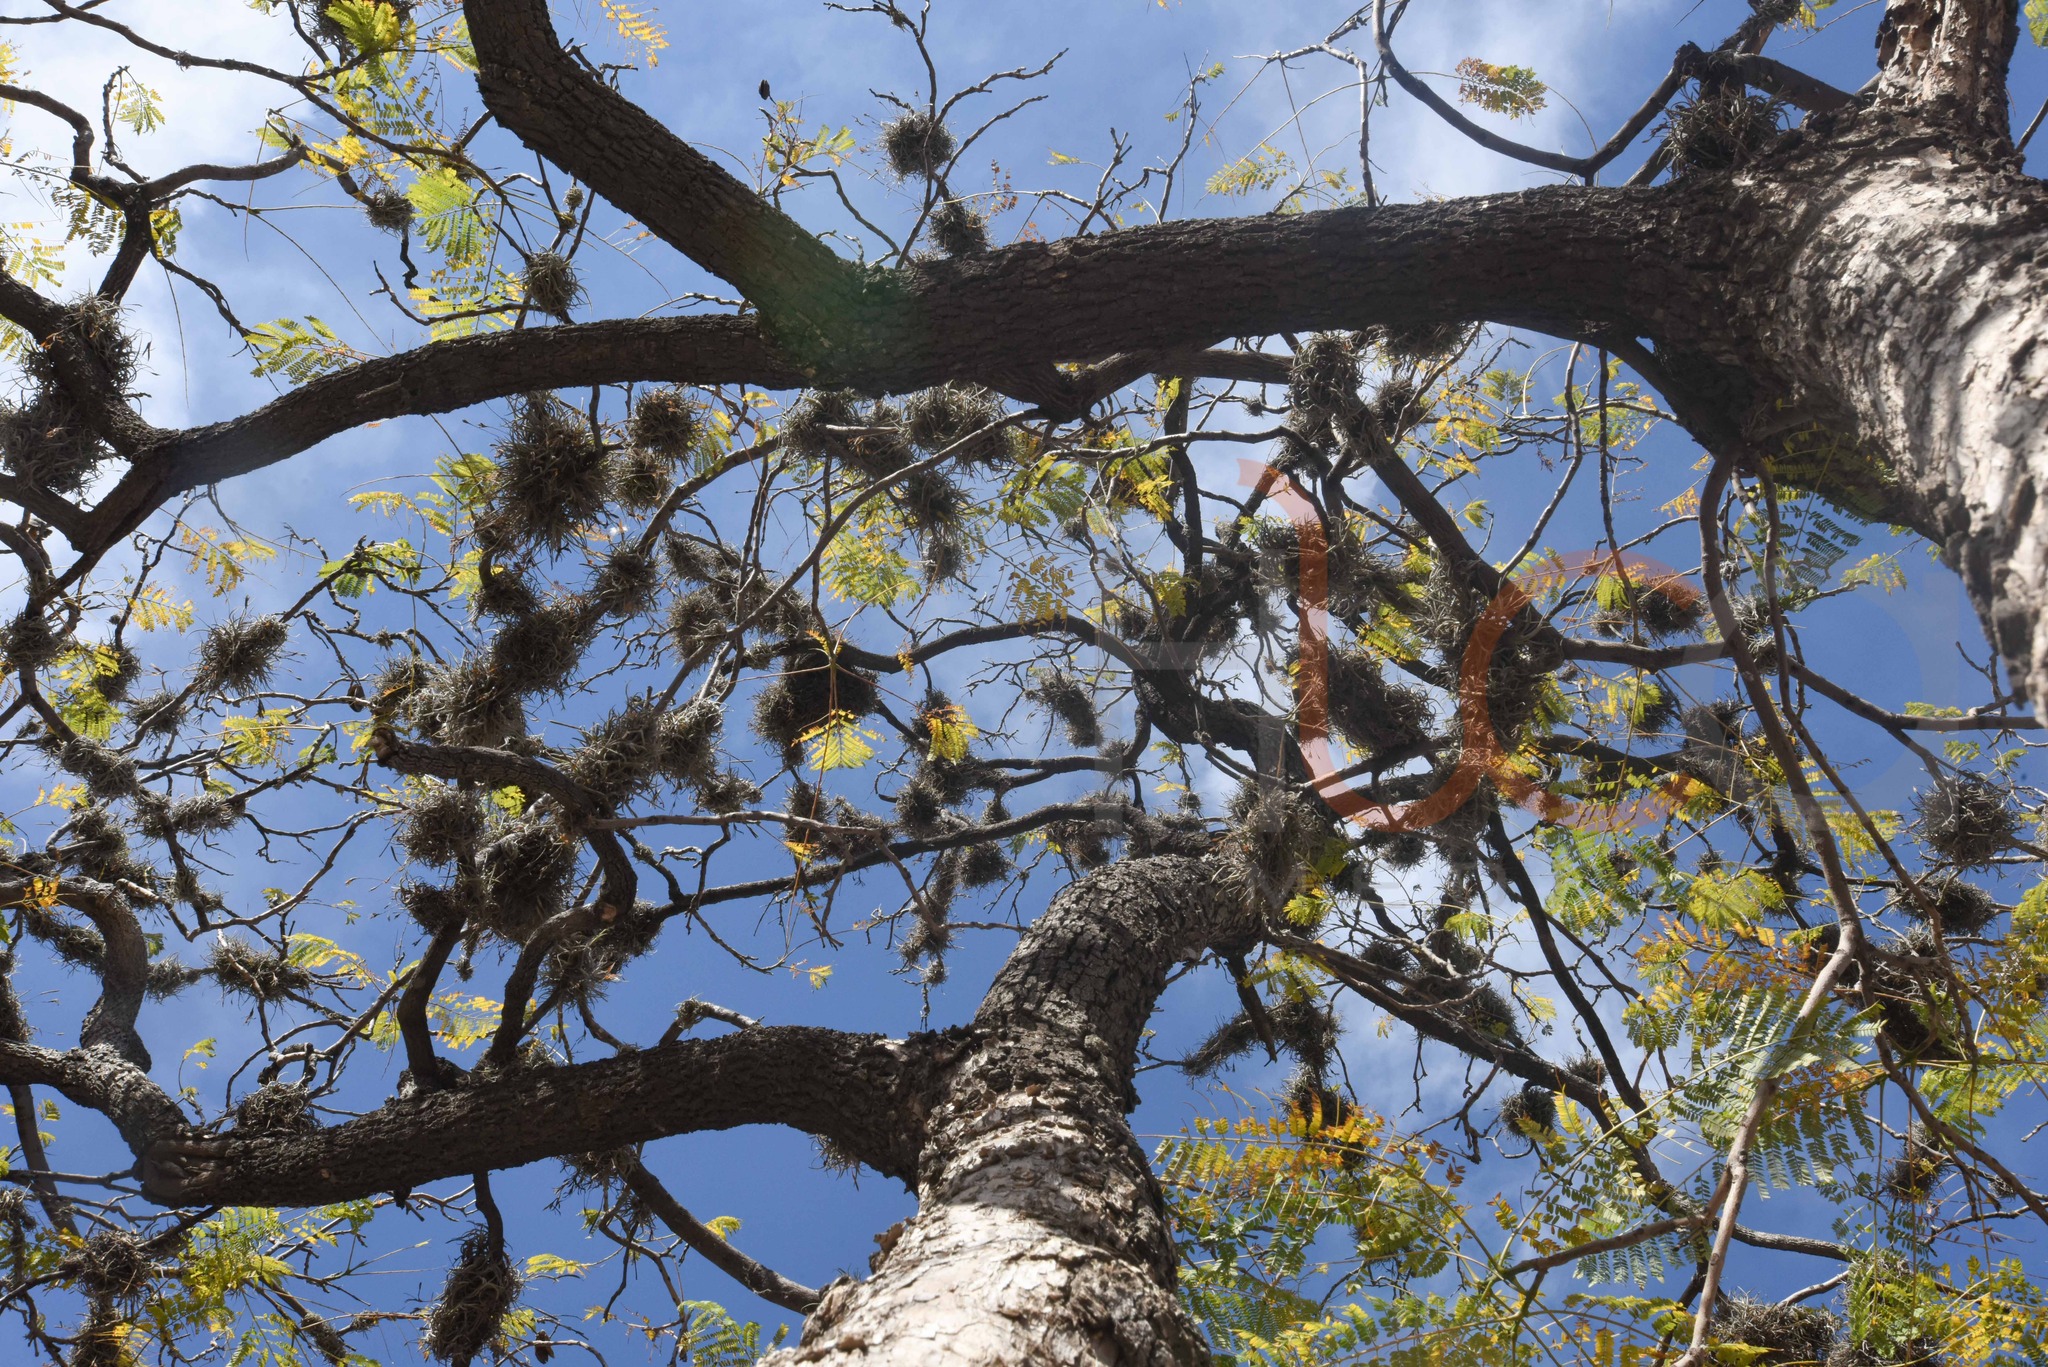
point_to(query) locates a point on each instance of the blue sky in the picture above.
(1127, 63)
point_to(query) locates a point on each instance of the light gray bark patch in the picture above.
(1041, 1236)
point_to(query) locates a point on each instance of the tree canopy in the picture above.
(824, 633)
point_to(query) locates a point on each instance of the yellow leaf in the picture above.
(838, 742)
(951, 730)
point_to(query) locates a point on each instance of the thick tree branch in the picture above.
(811, 298)
(860, 1091)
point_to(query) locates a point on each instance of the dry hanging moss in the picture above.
(936, 419)
(1720, 128)
(1967, 820)
(957, 230)
(48, 441)
(388, 209)
(553, 474)
(240, 653)
(664, 422)
(1791, 1333)
(550, 284)
(917, 143)
(1531, 1107)
(254, 971)
(481, 1288)
(810, 688)
(1069, 702)
(1965, 908)
(439, 823)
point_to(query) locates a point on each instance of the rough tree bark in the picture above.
(1040, 1235)
(1865, 305)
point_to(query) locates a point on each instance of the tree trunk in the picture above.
(1895, 336)
(1040, 1235)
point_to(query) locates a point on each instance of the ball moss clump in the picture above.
(30, 641)
(1413, 342)
(957, 230)
(540, 652)
(698, 620)
(984, 865)
(114, 1264)
(436, 907)
(1911, 1176)
(625, 582)
(1370, 712)
(917, 143)
(1069, 702)
(276, 1108)
(1532, 1108)
(1322, 385)
(1721, 127)
(665, 422)
(49, 441)
(465, 702)
(930, 502)
(439, 823)
(1399, 406)
(811, 686)
(156, 715)
(470, 1314)
(553, 475)
(107, 773)
(620, 756)
(388, 209)
(203, 814)
(880, 447)
(1790, 1333)
(804, 422)
(254, 971)
(920, 808)
(117, 669)
(240, 653)
(1966, 819)
(550, 283)
(641, 479)
(503, 592)
(1965, 908)
(687, 742)
(526, 865)
(938, 418)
